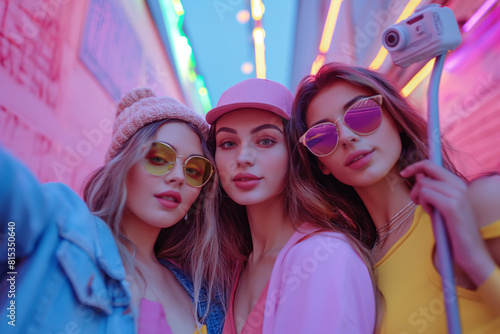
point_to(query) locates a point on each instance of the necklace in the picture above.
(407, 211)
(396, 216)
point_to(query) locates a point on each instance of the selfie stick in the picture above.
(440, 234)
(436, 25)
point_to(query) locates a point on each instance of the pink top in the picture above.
(152, 319)
(255, 320)
(319, 284)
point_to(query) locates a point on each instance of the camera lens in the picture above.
(392, 39)
(395, 38)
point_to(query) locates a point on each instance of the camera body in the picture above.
(427, 33)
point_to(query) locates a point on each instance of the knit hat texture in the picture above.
(140, 107)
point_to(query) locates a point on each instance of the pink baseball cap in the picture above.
(254, 93)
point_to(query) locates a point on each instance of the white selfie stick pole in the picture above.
(432, 30)
(440, 233)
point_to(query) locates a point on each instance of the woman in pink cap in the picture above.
(292, 263)
(359, 138)
(119, 262)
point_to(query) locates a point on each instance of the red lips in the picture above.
(358, 159)
(246, 181)
(169, 199)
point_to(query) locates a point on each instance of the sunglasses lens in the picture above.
(322, 139)
(159, 159)
(198, 171)
(364, 117)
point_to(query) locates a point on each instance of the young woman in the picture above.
(96, 269)
(297, 271)
(366, 145)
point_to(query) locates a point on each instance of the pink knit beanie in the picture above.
(140, 107)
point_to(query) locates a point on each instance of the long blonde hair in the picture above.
(105, 193)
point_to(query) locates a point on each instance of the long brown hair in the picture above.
(304, 202)
(413, 134)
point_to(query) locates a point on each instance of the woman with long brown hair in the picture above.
(291, 261)
(366, 146)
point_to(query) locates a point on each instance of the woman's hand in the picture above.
(440, 189)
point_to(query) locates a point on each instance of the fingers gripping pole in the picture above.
(440, 234)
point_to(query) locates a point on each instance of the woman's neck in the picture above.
(270, 226)
(143, 236)
(386, 198)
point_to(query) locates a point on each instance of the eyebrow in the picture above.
(226, 130)
(253, 131)
(175, 148)
(265, 126)
(345, 107)
(164, 142)
(354, 100)
(319, 122)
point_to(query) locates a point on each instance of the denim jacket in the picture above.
(67, 276)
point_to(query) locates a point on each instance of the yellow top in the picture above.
(202, 330)
(490, 290)
(412, 287)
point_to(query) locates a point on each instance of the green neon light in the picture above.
(204, 97)
(182, 52)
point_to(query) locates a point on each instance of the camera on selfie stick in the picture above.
(428, 33)
(431, 32)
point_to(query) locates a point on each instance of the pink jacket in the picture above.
(319, 284)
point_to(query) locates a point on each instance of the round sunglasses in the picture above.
(363, 118)
(161, 158)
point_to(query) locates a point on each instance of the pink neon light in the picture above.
(478, 14)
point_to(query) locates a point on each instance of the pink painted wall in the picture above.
(470, 99)
(55, 114)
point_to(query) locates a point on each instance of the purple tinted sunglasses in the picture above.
(363, 117)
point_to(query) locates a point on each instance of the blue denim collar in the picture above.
(95, 238)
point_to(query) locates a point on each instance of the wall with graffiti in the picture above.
(63, 66)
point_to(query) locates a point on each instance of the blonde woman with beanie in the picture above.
(120, 261)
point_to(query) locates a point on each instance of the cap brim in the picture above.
(217, 112)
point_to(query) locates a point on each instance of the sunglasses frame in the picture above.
(173, 164)
(377, 98)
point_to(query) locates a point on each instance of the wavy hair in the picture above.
(105, 193)
(413, 134)
(304, 202)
